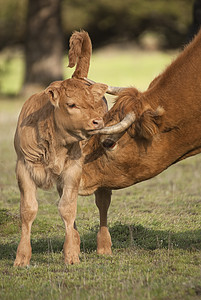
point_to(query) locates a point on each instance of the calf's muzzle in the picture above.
(97, 123)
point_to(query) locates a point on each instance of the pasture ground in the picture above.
(155, 225)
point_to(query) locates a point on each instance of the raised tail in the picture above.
(80, 53)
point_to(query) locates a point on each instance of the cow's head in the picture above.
(133, 113)
(132, 128)
(78, 107)
(143, 120)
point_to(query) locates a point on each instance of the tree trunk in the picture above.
(196, 16)
(43, 45)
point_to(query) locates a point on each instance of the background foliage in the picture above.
(107, 21)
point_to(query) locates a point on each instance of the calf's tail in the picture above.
(80, 53)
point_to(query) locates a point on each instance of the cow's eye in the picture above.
(71, 105)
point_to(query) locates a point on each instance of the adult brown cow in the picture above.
(47, 142)
(167, 129)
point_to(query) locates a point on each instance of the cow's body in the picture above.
(152, 143)
(48, 138)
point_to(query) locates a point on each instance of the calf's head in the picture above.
(78, 107)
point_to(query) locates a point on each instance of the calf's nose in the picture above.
(97, 123)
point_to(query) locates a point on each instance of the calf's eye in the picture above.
(71, 105)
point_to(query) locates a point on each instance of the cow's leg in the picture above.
(68, 208)
(28, 211)
(103, 199)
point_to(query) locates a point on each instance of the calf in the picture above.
(47, 142)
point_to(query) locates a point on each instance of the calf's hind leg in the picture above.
(28, 211)
(103, 199)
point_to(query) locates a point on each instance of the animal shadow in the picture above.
(123, 236)
(131, 235)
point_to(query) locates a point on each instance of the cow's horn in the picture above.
(119, 127)
(112, 90)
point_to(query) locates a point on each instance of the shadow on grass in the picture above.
(123, 236)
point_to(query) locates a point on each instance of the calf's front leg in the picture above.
(103, 199)
(68, 209)
(28, 211)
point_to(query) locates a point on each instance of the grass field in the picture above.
(155, 225)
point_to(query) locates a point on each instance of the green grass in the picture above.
(11, 72)
(155, 225)
(128, 68)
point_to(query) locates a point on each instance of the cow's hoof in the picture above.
(104, 242)
(105, 250)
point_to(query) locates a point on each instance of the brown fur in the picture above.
(148, 120)
(47, 142)
(167, 130)
(80, 55)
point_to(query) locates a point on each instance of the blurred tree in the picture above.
(112, 21)
(12, 22)
(106, 21)
(196, 16)
(43, 44)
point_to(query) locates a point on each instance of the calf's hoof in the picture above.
(72, 259)
(23, 255)
(21, 261)
(104, 250)
(72, 248)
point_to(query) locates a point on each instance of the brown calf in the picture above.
(47, 142)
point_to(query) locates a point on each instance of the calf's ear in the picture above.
(149, 123)
(53, 95)
(98, 90)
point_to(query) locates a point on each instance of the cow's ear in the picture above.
(98, 90)
(149, 123)
(53, 95)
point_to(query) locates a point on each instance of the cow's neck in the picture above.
(178, 88)
(178, 91)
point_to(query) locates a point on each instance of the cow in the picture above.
(166, 130)
(48, 142)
